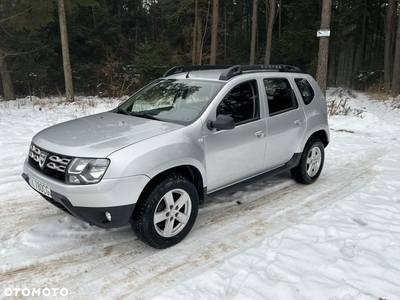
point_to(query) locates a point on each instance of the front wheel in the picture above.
(311, 163)
(168, 214)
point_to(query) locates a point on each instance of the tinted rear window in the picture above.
(306, 90)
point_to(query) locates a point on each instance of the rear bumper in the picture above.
(120, 215)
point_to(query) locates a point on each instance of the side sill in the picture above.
(293, 162)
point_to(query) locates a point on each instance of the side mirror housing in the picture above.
(223, 122)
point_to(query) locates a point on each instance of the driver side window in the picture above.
(241, 103)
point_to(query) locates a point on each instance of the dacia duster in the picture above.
(195, 132)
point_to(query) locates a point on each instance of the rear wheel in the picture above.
(311, 163)
(168, 214)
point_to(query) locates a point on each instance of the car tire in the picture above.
(166, 215)
(311, 163)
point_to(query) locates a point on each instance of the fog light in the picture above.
(74, 179)
(108, 216)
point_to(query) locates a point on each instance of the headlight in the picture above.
(87, 170)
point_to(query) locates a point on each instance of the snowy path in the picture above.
(336, 239)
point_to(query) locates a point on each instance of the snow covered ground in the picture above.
(338, 238)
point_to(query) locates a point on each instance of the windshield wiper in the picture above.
(120, 110)
(144, 115)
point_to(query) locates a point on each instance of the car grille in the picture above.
(50, 164)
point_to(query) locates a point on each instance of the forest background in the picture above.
(118, 46)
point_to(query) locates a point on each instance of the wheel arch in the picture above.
(321, 135)
(188, 171)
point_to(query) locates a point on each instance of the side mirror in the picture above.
(223, 122)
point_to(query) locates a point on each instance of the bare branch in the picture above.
(17, 15)
(23, 53)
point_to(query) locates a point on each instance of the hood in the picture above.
(99, 135)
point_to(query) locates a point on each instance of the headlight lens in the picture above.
(87, 170)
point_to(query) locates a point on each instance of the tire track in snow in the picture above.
(220, 232)
(268, 215)
(23, 214)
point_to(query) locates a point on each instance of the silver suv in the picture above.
(195, 132)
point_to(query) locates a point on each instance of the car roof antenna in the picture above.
(187, 75)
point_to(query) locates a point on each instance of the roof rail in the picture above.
(232, 71)
(182, 69)
(237, 70)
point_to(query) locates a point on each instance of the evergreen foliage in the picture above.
(117, 46)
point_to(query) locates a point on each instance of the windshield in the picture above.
(173, 100)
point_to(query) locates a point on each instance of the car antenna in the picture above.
(187, 75)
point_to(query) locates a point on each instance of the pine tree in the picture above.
(323, 54)
(69, 89)
(396, 69)
(270, 19)
(254, 27)
(214, 33)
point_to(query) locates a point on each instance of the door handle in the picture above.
(297, 122)
(260, 134)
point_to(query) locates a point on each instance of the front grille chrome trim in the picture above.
(51, 164)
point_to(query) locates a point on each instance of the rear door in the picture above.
(286, 122)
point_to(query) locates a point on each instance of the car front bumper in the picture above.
(90, 203)
(120, 215)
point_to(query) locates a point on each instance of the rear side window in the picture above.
(306, 90)
(280, 96)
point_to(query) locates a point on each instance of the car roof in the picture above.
(225, 73)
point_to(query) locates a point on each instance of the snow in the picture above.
(338, 238)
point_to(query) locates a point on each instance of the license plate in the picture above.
(40, 186)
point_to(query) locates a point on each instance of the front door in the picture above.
(234, 155)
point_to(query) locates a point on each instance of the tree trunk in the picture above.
(396, 69)
(194, 43)
(8, 87)
(389, 29)
(253, 33)
(197, 36)
(363, 37)
(199, 44)
(214, 33)
(69, 88)
(270, 18)
(280, 19)
(360, 49)
(323, 53)
(350, 63)
(225, 34)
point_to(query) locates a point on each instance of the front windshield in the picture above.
(173, 100)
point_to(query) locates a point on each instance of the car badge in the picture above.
(42, 159)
